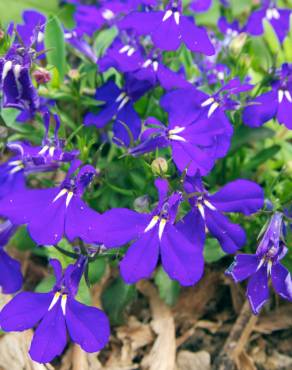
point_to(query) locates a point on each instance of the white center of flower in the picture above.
(62, 193)
(123, 99)
(282, 93)
(56, 299)
(272, 13)
(7, 67)
(169, 13)
(213, 105)
(108, 14)
(127, 49)
(173, 134)
(152, 224)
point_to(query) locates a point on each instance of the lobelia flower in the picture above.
(55, 313)
(119, 105)
(240, 196)
(10, 272)
(276, 103)
(200, 5)
(196, 142)
(155, 235)
(222, 100)
(124, 54)
(129, 58)
(77, 42)
(62, 210)
(230, 30)
(259, 268)
(278, 18)
(169, 28)
(30, 159)
(32, 30)
(16, 85)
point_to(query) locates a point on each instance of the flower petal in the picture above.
(258, 290)
(87, 326)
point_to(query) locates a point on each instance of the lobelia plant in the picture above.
(120, 101)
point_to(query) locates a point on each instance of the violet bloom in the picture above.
(119, 105)
(55, 313)
(31, 159)
(230, 30)
(62, 211)
(196, 142)
(155, 235)
(264, 265)
(129, 58)
(279, 19)
(32, 29)
(90, 18)
(276, 103)
(16, 85)
(77, 42)
(10, 271)
(223, 99)
(240, 196)
(200, 5)
(124, 54)
(153, 70)
(169, 28)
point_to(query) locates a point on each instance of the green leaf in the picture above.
(261, 157)
(54, 39)
(21, 240)
(168, 289)
(115, 299)
(83, 294)
(213, 251)
(46, 285)
(246, 135)
(104, 40)
(96, 270)
(13, 10)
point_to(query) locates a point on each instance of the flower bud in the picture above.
(159, 166)
(141, 204)
(238, 43)
(74, 74)
(42, 76)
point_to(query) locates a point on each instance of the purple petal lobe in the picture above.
(24, 311)
(50, 337)
(87, 326)
(181, 259)
(258, 290)
(281, 279)
(141, 258)
(10, 273)
(242, 196)
(244, 265)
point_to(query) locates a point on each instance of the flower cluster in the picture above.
(142, 102)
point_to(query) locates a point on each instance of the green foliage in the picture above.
(55, 43)
(115, 299)
(168, 289)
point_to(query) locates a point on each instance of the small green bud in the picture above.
(159, 166)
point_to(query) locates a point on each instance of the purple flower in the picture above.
(10, 272)
(118, 105)
(16, 85)
(61, 208)
(241, 196)
(223, 99)
(125, 54)
(91, 18)
(77, 42)
(55, 313)
(263, 265)
(200, 5)
(30, 159)
(279, 19)
(196, 142)
(154, 235)
(129, 58)
(169, 28)
(32, 31)
(276, 103)
(230, 30)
